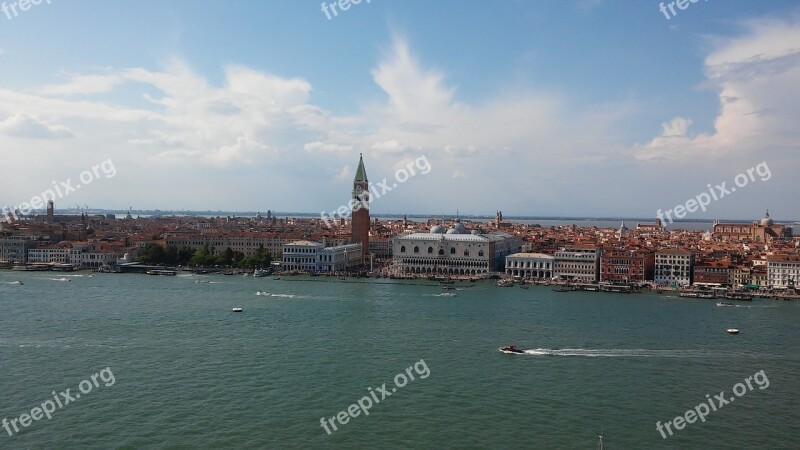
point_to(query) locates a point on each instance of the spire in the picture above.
(361, 173)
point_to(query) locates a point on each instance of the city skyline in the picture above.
(239, 119)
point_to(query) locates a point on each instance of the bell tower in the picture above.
(360, 224)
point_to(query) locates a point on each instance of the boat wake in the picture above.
(268, 294)
(618, 353)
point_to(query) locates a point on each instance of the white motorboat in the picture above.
(732, 330)
(237, 309)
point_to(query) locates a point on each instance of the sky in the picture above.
(578, 108)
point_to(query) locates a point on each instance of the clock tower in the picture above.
(360, 223)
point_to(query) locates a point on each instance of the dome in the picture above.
(452, 231)
(437, 229)
(475, 232)
(766, 221)
(458, 228)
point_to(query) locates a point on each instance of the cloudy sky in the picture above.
(548, 108)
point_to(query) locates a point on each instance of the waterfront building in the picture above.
(764, 230)
(712, 273)
(59, 254)
(339, 258)
(453, 251)
(627, 266)
(674, 267)
(783, 271)
(14, 249)
(360, 222)
(580, 264)
(530, 265)
(315, 257)
(302, 255)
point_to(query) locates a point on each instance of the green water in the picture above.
(190, 373)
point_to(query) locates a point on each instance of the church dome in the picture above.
(438, 229)
(766, 221)
(458, 228)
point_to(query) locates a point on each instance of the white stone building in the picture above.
(453, 251)
(674, 267)
(578, 264)
(783, 271)
(530, 265)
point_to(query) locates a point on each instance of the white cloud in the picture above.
(83, 84)
(756, 76)
(24, 126)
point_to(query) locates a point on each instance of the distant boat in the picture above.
(732, 330)
(260, 273)
(725, 304)
(17, 283)
(739, 296)
(167, 273)
(237, 310)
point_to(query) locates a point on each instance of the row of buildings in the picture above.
(668, 267)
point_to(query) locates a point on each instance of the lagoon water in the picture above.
(190, 373)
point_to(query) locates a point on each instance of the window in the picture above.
(452, 250)
(430, 250)
(480, 253)
(403, 249)
(466, 252)
(441, 252)
(416, 249)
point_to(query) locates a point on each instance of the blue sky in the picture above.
(571, 108)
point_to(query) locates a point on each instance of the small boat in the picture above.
(63, 280)
(237, 309)
(448, 288)
(17, 283)
(725, 304)
(732, 330)
(167, 273)
(447, 294)
(511, 349)
(689, 294)
(277, 278)
(260, 273)
(264, 293)
(563, 289)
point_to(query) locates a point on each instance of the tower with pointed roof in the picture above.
(360, 224)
